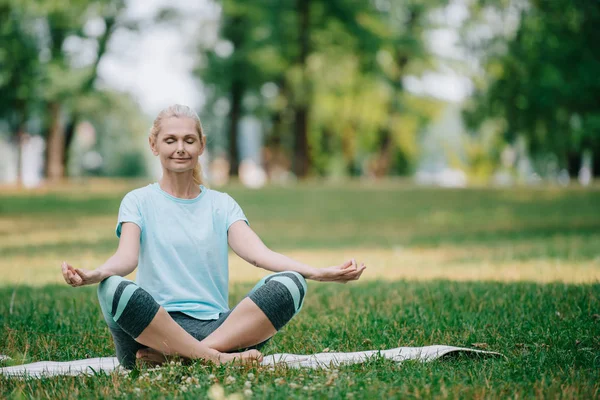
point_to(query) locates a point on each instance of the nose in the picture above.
(180, 147)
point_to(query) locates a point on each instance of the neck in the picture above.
(179, 185)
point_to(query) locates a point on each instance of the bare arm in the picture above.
(246, 244)
(122, 263)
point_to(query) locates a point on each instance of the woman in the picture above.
(177, 230)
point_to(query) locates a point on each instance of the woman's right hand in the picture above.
(79, 277)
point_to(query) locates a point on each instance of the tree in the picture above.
(543, 83)
(19, 74)
(43, 70)
(297, 46)
(240, 62)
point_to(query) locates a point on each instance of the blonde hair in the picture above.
(181, 111)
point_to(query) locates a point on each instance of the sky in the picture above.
(155, 66)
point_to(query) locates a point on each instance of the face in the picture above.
(177, 145)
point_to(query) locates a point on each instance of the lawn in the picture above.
(515, 271)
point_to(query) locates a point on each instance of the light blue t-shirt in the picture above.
(183, 247)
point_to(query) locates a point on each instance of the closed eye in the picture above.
(169, 141)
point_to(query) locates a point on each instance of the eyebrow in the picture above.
(172, 135)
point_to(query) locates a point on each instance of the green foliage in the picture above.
(19, 67)
(131, 165)
(358, 53)
(46, 76)
(544, 82)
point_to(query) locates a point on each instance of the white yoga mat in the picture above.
(92, 366)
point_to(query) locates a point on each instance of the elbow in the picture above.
(261, 258)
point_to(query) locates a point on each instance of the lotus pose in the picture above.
(177, 230)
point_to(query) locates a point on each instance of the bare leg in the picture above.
(167, 337)
(246, 326)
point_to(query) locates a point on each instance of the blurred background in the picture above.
(451, 145)
(444, 92)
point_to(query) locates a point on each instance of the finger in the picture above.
(70, 275)
(77, 279)
(347, 264)
(354, 275)
(364, 267)
(65, 273)
(348, 271)
(74, 278)
(353, 265)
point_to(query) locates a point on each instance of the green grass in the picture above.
(550, 333)
(366, 215)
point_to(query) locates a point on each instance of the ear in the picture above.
(202, 145)
(152, 145)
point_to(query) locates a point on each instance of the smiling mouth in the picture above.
(181, 159)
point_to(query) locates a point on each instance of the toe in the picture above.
(141, 353)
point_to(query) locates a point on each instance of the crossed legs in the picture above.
(143, 329)
(246, 326)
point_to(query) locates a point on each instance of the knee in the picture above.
(106, 284)
(107, 289)
(125, 304)
(113, 293)
(299, 280)
(295, 285)
(280, 296)
(299, 277)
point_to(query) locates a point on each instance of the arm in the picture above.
(122, 263)
(246, 244)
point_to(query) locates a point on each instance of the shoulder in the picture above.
(217, 196)
(223, 201)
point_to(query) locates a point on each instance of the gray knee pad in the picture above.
(280, 296)
(127, 305)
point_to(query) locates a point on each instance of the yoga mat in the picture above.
(92, 366)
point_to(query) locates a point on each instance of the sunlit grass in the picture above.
(549, 333)
(451, 263)
(515, 270)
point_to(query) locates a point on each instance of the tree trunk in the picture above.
(86, 87)
(301, 162)
(20, 138)
(237, 92)
(383, 162)
(55, 145)
(301, 153)
(69, 136)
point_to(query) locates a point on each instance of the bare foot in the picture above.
(245, 357)
(151, 357)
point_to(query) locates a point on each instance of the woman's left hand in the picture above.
(343, 273)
